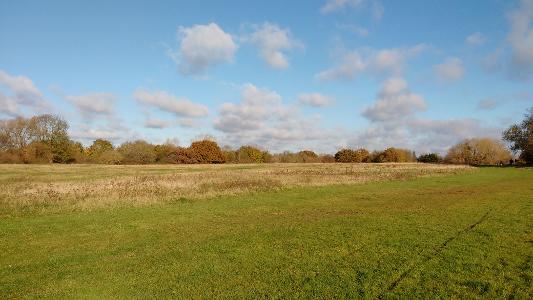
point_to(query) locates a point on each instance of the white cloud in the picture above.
(394, 123)
(315, 99)
(450, 70)
(202, 47)
(22, 94)
(272, 41)
(375, 62)
(261, 118)
(476, 39)
(394, 102)
(156, 123)
(94, 104)
(180, 107)
(521, 41)
(335, 5)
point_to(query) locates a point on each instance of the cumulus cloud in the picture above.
(394, 122)
(375, 62)
(272, 42)
(202, 47)
(156, 123)
(261, 118)
(94, 104)
(394, 102)
(21, 94)
(450, 70)
(475, 39)
(315, 100)
(181, 107)
(521, 40)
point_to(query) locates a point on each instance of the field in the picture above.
(266, 231)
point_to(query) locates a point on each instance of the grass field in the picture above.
(266, 231)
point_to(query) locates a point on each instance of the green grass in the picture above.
(461, 236)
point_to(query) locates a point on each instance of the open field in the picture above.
(266, 231)
(40, 188)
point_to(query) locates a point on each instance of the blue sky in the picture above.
(285, 75)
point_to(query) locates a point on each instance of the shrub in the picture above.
(110, 157)
(346, 156)
(162, 153)
(478, 151)
(326, 158)
(138, 152)
(249, 154)
(393, 155)
(307, 156)
(206, 152)
(429, 158)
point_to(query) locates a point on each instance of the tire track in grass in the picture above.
(427, 258)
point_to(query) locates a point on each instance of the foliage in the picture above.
(484, 151)
(430, 158)
(206, 152)
(138, 152)
(521, 137)
(346, 156)
(393, 155)
(163, 152)
(352, 156)
(250, 154)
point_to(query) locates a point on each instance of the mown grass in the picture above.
(466, 235)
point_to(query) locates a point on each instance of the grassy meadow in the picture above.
(266, 231)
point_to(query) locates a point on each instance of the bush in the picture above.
(326, 158)
(162, 153)
(484, 151)
(393, 155)
(206, 152)
(307, 156)
(429, 158)
(137, 153)
(345, 156)
(249, 154)
(37, 152)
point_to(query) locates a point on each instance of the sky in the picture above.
(283, 75)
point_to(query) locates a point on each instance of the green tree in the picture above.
(429, 158)
(521, 137)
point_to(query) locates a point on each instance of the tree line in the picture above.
(45, 139)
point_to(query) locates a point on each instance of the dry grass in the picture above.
(38, 188)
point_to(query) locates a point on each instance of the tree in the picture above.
(430, 158)
(521, 137)
(98, 147)
(393, 155)
(307, 156)
(478, 151)
(346, 156)
(206, 152)
(362, 155)
(249, 154)
(162, 153)
(138, 152)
